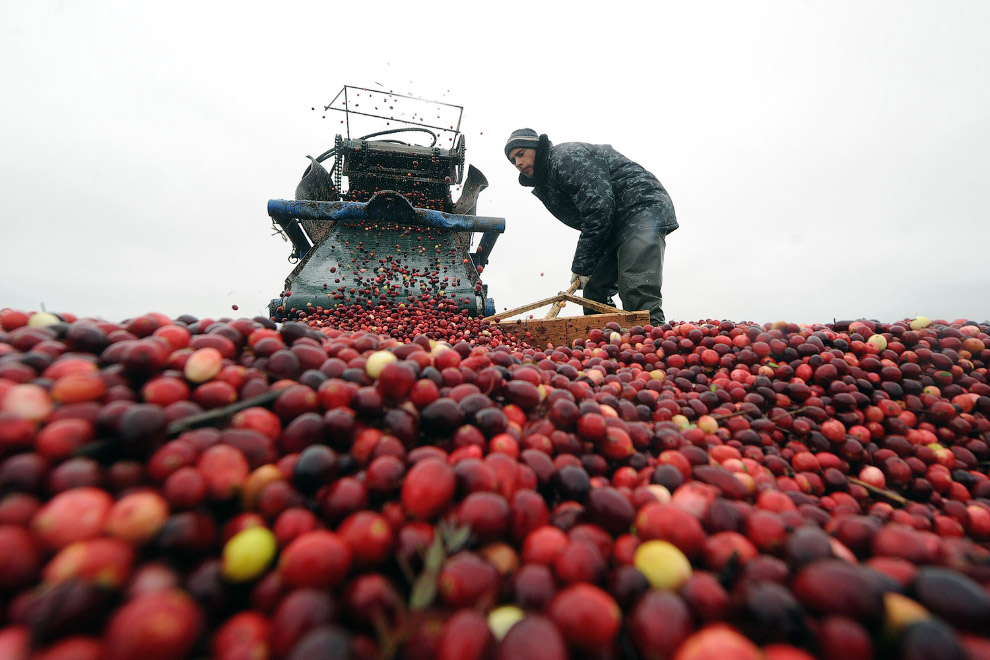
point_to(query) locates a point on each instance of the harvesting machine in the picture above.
(392, 234)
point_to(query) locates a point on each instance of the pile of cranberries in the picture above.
(235, 488)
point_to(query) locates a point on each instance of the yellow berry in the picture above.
(248, 554)
(663, 564)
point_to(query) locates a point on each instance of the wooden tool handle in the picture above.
(557, 306)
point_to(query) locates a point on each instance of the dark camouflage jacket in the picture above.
(598, 191)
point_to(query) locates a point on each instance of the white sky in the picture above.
(827, 160)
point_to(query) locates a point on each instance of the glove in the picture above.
(583, 279)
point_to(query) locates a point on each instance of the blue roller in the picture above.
(383, 206)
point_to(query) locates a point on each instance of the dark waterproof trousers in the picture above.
(633, 268)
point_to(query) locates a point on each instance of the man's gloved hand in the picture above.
(583, 279)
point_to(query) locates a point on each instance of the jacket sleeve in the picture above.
(584, 177)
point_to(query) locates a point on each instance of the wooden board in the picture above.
(561, 331)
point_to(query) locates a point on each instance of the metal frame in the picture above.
(347, 109)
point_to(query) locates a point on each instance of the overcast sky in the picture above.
(827, 160)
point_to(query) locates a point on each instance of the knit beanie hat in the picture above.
(525, 138)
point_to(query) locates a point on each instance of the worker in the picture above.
(622, 211)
